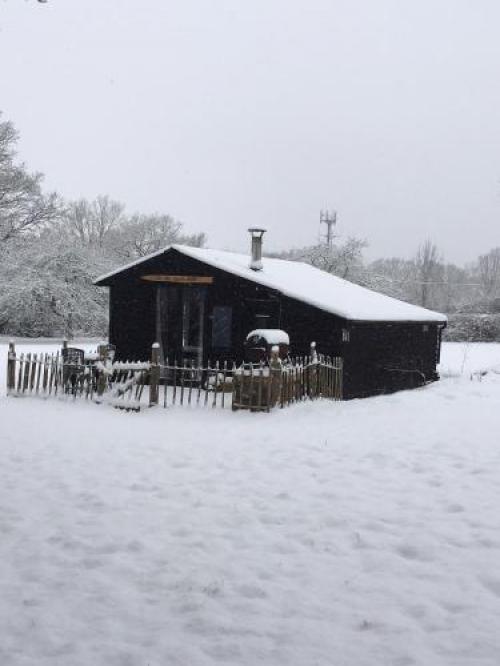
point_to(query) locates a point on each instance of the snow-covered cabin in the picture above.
(202, 303)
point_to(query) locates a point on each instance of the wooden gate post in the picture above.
(276, 371)
(11, 368)
(314, 374)
(102, 377)
(154, 375)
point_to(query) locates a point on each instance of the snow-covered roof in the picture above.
(304, 283)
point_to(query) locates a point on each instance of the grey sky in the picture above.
(227, 114)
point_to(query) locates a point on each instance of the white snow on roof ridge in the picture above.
(304, 283)
(308, 284)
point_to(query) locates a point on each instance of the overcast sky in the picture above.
(228, 113)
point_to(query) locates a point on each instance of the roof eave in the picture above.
(104, 280)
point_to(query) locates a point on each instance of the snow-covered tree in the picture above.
(91, 222)
(140, 235)
(394, 277)
(47, 289)
(488, 272)
(342, 259)
(429, 272)
(23, 206)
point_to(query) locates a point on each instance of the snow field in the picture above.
(463, 359)
(351, 534)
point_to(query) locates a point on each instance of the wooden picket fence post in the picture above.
(275, 379)
(11, 368)
(154, 375)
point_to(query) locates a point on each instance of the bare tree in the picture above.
(77, 220)
(141, 235)
(429, 271)
(23, 206)
(107, 215)
(489, 272)
(343, 259)
(394, 277)
(92, 221)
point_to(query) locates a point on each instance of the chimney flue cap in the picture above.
(256, 258)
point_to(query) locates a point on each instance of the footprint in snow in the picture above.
(223, 652)
(134, 546)
(452, 607)
(455, 508)
(488, 543)
(91, 563)
(411, 552)
(491, 584)
(31, 603)
(252, 592)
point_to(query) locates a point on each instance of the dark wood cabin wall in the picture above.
(258, 307)
(131, 320)
(305, 324)
(382, 357)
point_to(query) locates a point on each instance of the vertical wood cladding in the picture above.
(386, 357)
(132, 320)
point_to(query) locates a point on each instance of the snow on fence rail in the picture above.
(253, 386)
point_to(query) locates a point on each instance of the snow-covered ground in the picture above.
(466, 358)
(363, 533)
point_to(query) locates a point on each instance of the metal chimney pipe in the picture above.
(256, 260)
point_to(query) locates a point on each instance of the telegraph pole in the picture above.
(330, 219)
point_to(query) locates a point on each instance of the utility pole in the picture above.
(330, 219)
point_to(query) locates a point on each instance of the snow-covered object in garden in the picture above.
(306, 284)
(272, 336)
(261, 341)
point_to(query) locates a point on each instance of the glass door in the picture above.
(180, 316)
(193, 313)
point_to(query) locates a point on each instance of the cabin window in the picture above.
(262, 320)
(222, 320)
(425, 328)
(345, 335)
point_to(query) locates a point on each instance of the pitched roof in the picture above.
(304, 283)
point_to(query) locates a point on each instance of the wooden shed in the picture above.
(200, 304)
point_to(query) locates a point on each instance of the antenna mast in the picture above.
(330, 219)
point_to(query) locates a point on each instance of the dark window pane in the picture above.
(194, 298)
(262, 321)
(221, 326)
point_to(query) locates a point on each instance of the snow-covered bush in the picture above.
(473, 328)
(47, 289)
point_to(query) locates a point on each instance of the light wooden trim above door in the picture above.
(178, 279)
